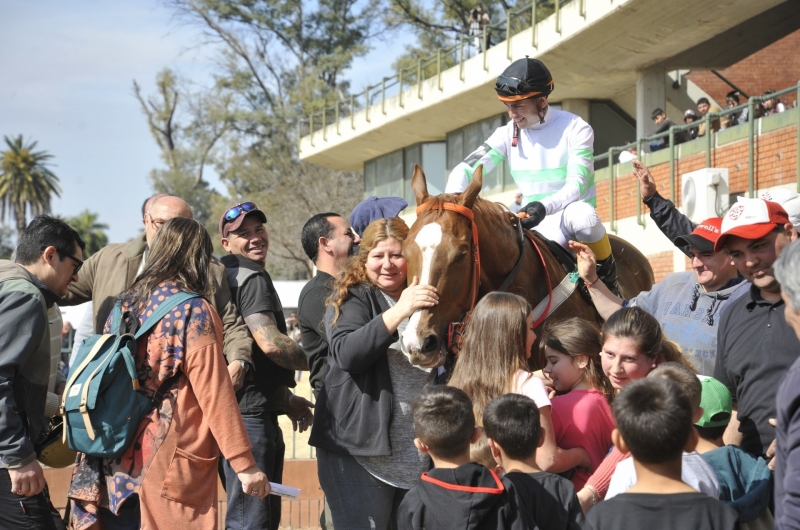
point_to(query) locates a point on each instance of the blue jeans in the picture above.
(246, 512)
(358, 501)
(657, 145)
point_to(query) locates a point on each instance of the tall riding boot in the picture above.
(607, 272)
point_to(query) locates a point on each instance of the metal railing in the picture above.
(515, 21)
(709, 148)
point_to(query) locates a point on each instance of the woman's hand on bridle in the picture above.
(416, 296)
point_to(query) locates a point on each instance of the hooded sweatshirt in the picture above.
(467, 497)
(689, 315)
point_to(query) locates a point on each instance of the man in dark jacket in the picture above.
(48, 259)
(275, 358)
(664, 124)
(328, 240)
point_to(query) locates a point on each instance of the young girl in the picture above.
(633, 345)
(570, 353)
(494, 361)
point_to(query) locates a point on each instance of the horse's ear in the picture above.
(473, 189)
(419, 185)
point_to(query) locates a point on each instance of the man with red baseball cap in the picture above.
(265, 393)
(755, 345)
(687, 304)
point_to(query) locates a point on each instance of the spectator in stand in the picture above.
(688, 304)
(517, 204)
(627, 155)
(664, 125)
(772, 105)
(787, 468)
(755, 344)
(690, 117)
(704, 106)
(739, 117)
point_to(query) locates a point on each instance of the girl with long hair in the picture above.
(570, 353)
(494, 361)
(363, 429)
(168, 475)
(633, 346)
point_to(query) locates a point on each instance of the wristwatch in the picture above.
(245, 365)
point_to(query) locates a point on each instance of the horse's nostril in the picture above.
(431, 344)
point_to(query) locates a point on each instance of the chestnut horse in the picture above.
(441, 251)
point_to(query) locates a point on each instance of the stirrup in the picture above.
(607, 272)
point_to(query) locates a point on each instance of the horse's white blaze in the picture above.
(427, 239)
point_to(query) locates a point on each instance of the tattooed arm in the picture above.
(278, 348)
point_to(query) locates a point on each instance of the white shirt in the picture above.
(695, 472)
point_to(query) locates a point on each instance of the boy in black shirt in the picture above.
(457, 493)
(513, 431)
(654, 424)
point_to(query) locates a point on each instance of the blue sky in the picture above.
(67, 71)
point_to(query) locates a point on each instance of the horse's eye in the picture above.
(461, 256)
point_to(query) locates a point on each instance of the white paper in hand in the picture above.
(284, 491)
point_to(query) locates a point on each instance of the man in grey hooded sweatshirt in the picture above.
(688, 304)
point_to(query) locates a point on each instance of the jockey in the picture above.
(550, 153)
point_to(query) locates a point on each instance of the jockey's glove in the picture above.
(536, 213)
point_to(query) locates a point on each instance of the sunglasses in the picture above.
(239, 209)
(78, 263)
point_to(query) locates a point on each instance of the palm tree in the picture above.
(92, 232)
(25, 182)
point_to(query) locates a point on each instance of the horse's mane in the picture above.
(492, 213)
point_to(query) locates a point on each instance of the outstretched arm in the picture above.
(278, 348)
(606, 302)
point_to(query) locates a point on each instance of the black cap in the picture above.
(656, 113)
(523, 77)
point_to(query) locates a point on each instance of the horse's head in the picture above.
(439, 252)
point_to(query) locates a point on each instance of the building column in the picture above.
(650, 95)
(579, 107)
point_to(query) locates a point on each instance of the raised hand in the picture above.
(647, 184)
(587, 261)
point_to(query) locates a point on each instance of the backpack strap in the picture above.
(165, 307)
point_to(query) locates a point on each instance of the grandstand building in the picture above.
(613, 62)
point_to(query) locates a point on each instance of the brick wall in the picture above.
(776, 66)
(775, 163)
(662, 264)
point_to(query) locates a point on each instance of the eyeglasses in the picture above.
(239, 209)
(78, 263)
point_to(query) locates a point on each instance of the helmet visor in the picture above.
(512, 85)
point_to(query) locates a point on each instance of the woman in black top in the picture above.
(363, 429)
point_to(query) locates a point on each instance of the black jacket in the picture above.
(354, 408)
(467, 497)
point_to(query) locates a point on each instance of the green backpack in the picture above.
(102, 406)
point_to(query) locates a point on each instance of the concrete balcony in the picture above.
(595, 49)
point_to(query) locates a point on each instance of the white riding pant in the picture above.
(578, 221)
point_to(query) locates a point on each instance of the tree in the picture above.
(91, 231)
(26, 183)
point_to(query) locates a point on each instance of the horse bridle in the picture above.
(455, 330)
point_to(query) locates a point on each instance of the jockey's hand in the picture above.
(587, 261)
(536, 213)
(647, 184)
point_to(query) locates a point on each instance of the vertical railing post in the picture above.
(311, 129)
(461, 57)
(352, 112)
(324, 124)
(366, 103)
(400, 81)
(419, 79)
(484, 50)
(508, 35)
(338, 132)
(582, 8)
(707, 120)
(750, 150)
(383, 96)
(558, 16)
(672, 164)
(439, 68)
(534, 40)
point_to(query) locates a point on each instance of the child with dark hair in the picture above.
(654, 424)
(457, 493)
(744, 483)
(511, 423)
(696, 472)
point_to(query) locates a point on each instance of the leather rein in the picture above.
(456, 329)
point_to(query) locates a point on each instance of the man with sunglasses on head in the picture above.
(550, 153)
(48, 258)
(265, 394)
(113, 269)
